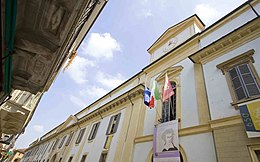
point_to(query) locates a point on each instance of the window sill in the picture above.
(179, 120)
(235, 104)
(89, 141)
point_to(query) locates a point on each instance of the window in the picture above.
(24, 98)
(113, 124)
(18, 95)
(93, 132)
(169, 107)
(70, 159)
(56, 143)
(69, 139)
(108, 142)
(241, 76)
(81, 133)
(103, 157)
(46, 148)
(243, 82)
(254, 151)
(257, 152)
(62, 141)
(51, 146)
(83, 159)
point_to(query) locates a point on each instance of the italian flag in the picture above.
(154, 94)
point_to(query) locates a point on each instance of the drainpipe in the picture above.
(10, 20)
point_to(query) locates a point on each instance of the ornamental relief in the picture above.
(170, 44)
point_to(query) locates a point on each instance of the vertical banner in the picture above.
(166, 143)
(250, 114)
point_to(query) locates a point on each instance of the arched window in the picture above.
(169, 107)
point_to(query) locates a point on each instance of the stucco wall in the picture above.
(199, 147)
(142, 151)
(189, 110)
(217, 88)
(95, 147)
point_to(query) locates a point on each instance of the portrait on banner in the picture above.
(166, 144)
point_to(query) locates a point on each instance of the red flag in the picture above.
(151, 104)
(167, 89)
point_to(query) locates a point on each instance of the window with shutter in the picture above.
(242, 78)
(94, 130)
(243, 82)
(113, 124)
(51, 146)
(83, 159)
(70, 159)
(69, 139)
(62, 141)
(56, 143)
(103, 157)
(81, 133)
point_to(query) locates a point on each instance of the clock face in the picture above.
(170, 44)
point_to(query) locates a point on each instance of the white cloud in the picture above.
(110, 81)
(147, 13)
(78, 69)
(207, 13)
(38, 128)
(93, 92)
(100, 46)
(77, 101)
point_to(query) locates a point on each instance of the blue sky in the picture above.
(114, 50)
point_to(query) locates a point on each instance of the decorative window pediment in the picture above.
(243, 58)
(171, 71)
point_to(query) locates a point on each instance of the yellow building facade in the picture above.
(202, 65)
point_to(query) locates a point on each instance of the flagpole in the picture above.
(160, 118)
(169, 108)
(169, 101)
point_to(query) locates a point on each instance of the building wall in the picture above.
(210, 129)
(144, 149)
(217, 88)
(189, 109)
(95, 147)
(232, 144)
(199, 147)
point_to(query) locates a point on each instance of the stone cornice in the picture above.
(132, 94)
(242, 35)
(204, 128)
